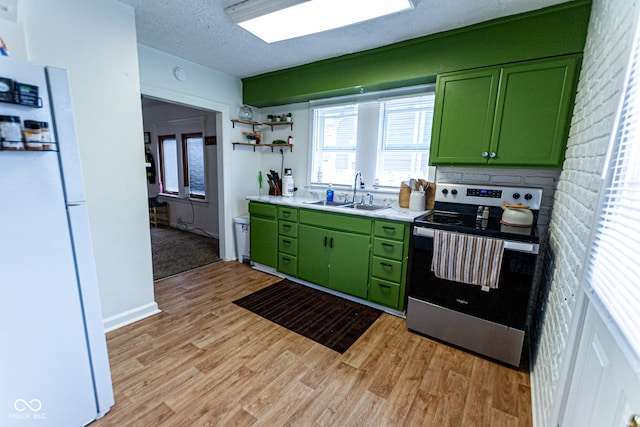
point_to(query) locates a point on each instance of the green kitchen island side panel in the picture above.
(463, 116)
(533, 113)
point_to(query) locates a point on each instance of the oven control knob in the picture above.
(454, 191)
(445, 191)
(516, 196)
(528, 196)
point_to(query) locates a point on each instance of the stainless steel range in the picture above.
(475, 235)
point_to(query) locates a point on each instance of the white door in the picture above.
(604, 391)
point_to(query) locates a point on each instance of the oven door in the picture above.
(507, 305)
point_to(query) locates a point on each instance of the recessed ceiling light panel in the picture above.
(314, 16)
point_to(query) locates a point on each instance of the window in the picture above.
(405, 138)
(615, 259)
(182, 166)
(168, 164)
(334, 136)
(193, 164)
(387, 140)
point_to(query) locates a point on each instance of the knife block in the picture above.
(276, 190)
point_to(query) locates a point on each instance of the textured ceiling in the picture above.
(200, 31)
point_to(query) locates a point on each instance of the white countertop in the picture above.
(393, 212)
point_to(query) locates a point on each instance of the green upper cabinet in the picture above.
(463, 116)
(515, 116)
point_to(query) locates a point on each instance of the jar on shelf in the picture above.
(32, 135)
(245, 113)
(11, 133)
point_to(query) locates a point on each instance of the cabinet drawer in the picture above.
(288, 264)
(262, 209)
(385, 293)
(388, 248)
(288, 245)
(386, 269)
(286, 228)
(389, 230)
(287, 214)
(349, 223)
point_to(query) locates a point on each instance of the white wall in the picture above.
(606, 54)
(96, 42)
(199, 216)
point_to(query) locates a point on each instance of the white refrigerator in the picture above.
(54, 368)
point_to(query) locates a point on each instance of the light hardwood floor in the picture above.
(204, 361)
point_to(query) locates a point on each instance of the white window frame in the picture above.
(180, 128)
(369, 143)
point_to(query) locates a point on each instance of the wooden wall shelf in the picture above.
(248, 144)
(254, 124)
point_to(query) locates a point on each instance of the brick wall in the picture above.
(575, 202)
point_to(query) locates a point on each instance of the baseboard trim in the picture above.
(130, 316)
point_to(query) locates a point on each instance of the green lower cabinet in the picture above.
(335, 259)
(264, 240)
(385, 293)
(386, 269)
(288, 240)
(313, 255)
(389, 263)
(288, 264)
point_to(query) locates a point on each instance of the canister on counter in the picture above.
(32, 135)
(11, 133)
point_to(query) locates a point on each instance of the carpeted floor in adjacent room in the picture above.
(175, 251)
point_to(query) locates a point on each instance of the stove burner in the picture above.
(444, 217)
(446, 220)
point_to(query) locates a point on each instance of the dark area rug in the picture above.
(326, 319)
(175, 251)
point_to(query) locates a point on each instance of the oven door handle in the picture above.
(511, 245)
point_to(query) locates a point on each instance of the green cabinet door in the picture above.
(264, 241)
(532, 113)
(515, 115)
(463, 117)
(349, 263)
(313, 254)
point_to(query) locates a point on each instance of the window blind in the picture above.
(334, 143)
(405, 137)
(614, 272)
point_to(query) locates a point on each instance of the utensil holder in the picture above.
(276, 190)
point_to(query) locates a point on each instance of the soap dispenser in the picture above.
(330, 193)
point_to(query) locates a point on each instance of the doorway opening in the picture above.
(182, 185)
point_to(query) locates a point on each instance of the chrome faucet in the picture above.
(355, 185)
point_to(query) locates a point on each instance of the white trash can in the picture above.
(242, 230)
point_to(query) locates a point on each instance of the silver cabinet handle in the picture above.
(634, 421)
(492, 154)
(485, 154)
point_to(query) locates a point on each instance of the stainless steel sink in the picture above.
(325, 203)
(364, 207)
